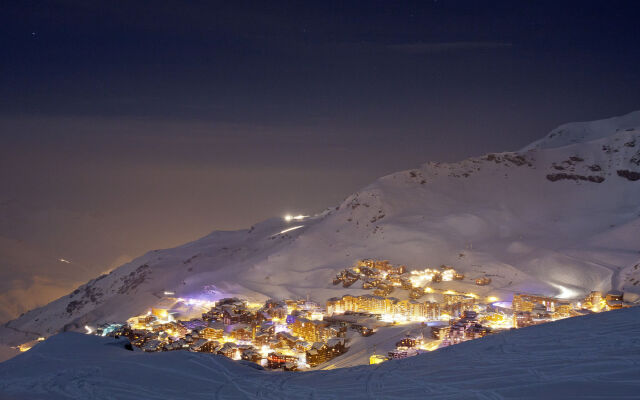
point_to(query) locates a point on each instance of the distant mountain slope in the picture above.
(581, 132)
(561, 217)
(593, 357)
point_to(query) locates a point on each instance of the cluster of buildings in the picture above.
(531, 309)
(409, 346)
(613, 300)
(297, 334)
(467, 327)
(383, 277)
(390, 308)
(284, 334)
(378, 275)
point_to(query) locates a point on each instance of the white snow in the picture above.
(595, 357)
(579, 132)
(382, 342)
(496, 215)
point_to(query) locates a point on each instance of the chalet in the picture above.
(151, 345)
(285, 340)
(251, 355)
(321, 352)
(261, 338)
(614, 299)
(483, 281)
(231, 316)
(229, 350)
(198, 344)
(278, 360)
(213, 331)
(310, 330)
(440, 331)
(406, 342)
(241, 332)
(317, 354)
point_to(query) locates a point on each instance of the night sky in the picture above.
(129, 126)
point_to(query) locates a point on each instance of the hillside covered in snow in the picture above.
(595, 356)
(561, 218)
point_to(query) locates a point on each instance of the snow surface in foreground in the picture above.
(596, 356)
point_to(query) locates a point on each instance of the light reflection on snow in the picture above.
(290, 229)
(565, 292)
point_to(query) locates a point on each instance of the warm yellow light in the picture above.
(317, 316)
(492, 299)
(431, 346)
(377, 359)
(386, 318)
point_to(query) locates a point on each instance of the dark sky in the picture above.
(133, 125)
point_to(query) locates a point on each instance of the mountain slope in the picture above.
(561, 218)
(595, 356)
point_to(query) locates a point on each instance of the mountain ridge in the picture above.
(558, 218)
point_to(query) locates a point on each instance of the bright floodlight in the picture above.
(290, 217)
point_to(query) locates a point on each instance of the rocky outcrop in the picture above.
(575, 177)
(630, 175)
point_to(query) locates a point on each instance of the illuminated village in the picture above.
(301, 334)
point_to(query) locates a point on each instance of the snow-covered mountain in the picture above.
(593, 357)
(561, 217)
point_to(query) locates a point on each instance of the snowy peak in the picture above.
(581, 132)
(560, 219)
